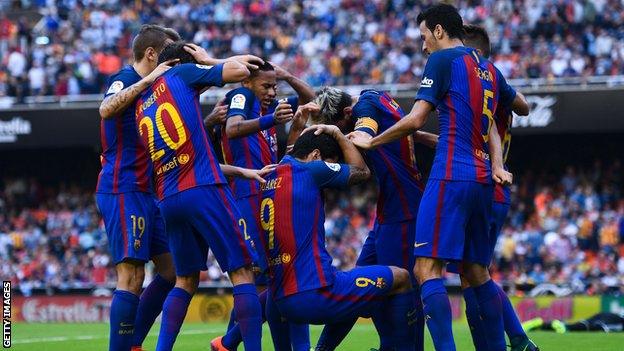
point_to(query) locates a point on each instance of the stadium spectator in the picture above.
(324, 42)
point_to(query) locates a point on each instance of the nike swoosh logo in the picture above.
(420, 244)
(123, 325)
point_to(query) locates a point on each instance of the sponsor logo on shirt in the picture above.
(426, 82)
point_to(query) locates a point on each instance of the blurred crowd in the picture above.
(566, 229)
(70, 47)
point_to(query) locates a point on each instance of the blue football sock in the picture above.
(278, 326)
(150, 305)
(437, 310)
(513, 327)
(122, 315)
(248, 315)
(402, 316)
(232, 339)
(474, 320)
(232, 321)
(173, 313)
(420, 321)
(383, 323)
(299, 336)
(491, 311)
(333, 334)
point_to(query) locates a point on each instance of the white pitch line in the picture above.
(100, 337)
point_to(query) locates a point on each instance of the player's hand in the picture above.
(502, 177)
(283, 113)
(266, 169)
(256, 174)
(199, 54)
(280, 73)
(361, 140)
(159, 70)
(303, 114)
(218, 115)
(328, 129)
(250, 61)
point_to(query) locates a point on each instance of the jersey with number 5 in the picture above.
(292, 215)
(465, 90)
(170, 123)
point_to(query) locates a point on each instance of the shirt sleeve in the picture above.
(293, 101)
(507, 94)
(201, 76)
(329, 175)
(241, 103)
(366, 117)
(118, 82)
(436, 79)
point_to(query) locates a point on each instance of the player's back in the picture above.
(253, 151)
(394, 164)
(170, 123)
(292, 217)
(125, 167)
(464, 88)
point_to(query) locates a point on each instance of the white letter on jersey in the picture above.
(238, 101)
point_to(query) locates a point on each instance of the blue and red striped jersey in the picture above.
(503, 118)
(252, 151)
(394, 164)
(292, 218)
(170, 123)
(125, 165)
(465, 89)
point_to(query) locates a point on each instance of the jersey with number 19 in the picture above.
(197, 205)
(454, 216)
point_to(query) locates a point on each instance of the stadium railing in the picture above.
(397, 90)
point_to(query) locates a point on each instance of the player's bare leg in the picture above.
(436, 304)
(490, 304)
(153, 297)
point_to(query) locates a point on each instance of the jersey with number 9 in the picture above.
(170, 124)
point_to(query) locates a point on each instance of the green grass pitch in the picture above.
(197, 336)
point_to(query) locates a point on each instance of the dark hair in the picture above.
(176, 51)
(265, 67)
(151, 35)
(332, 102)
(478, 38)
(308, 142)
(446, 16)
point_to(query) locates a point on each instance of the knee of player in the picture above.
(130, 276)
(475, 274)
(401, 280)
(164, 267)
(188, 283)
(244, 275)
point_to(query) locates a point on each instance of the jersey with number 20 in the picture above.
(170, 123)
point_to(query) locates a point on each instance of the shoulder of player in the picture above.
(124, 78)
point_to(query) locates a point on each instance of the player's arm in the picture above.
(253, 174)
(426, 138)
(520, 105)
(115, 102)
(299, 122)
(499, 174)
(303, 90)
(237, 125)
(201, 56)
(407, 125)
(358, 170)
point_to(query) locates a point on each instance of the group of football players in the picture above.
(175, 184)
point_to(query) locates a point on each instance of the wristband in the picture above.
(267, 121)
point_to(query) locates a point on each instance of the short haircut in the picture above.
(308, 142)
(332, 102)
(265, 67)
(478, 38)
(446, 16)
(176, 51)
(151, 35)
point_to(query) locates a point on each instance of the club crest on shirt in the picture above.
(116, 87)
(238, 101)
